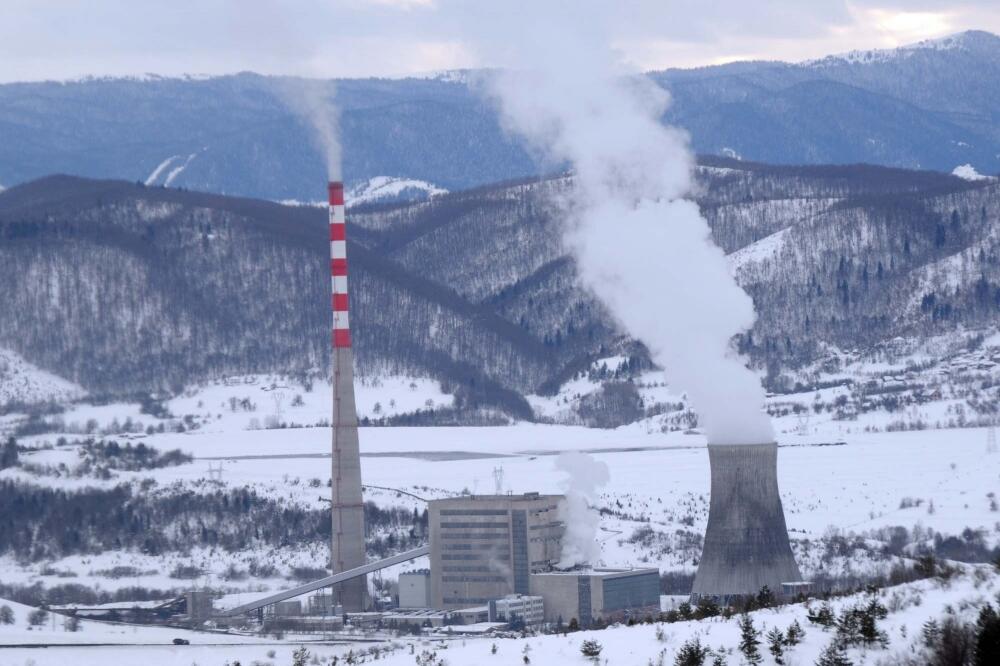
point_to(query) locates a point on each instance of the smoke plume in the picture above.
(584, 477)
(312, 100)
(640, 246)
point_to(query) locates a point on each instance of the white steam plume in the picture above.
(312, 100)
(642, 248)
(584, 477)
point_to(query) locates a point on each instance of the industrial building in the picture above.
(592, 594)
(415, 589)
(484, 547)
(518, 607)
(746, 540)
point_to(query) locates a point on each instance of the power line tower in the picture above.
(991, 440)
(215, 473)
(498, 479)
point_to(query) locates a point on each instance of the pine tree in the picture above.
(749, 641)
(987, 649)
(776, 645)
(930, 633)
(8, 454)
(834, 655)
(795, 634)
(691, 654)
(823, 617)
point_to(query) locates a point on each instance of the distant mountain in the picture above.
(933, 105)
(122, 288)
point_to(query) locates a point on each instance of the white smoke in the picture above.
(585, 475)
(642, 248)
(312, 100)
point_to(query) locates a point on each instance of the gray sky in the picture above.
(60, 39)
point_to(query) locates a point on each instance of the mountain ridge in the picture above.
(933, 109)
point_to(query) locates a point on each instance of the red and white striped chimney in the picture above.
(338, 266)
(347, 547)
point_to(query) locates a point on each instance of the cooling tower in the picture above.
(348, 533)
(746, 541)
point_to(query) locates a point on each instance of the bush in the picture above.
(691, 654)
(591, 649)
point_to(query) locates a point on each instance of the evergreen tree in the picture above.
(591, 648)
(824, 617)
(930, 633)
(795, 634)
(691, 654)
(776, 645)
(8, 454)
(834, 655)
(765, 598)
(988, 637)
(749, 641)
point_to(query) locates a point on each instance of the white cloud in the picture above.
(325, 38)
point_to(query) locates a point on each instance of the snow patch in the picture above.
(21, 381)
(388, 188)
(766, 248)
(177, 170)
(159, 169)
(968, 172)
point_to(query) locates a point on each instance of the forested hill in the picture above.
(125, 288)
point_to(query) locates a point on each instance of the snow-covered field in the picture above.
(837, 479)
(909, 606)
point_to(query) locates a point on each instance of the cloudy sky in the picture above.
(59, 39)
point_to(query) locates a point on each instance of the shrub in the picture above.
(591, 648)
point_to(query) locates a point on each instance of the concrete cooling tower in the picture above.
(348, 533)
(746, 541)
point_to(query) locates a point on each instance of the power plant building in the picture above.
(485, 547)
(415, 589)
(746, 540)
(591, 594)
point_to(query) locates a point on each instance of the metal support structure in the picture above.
(358, 573)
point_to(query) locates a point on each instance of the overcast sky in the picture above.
(60, 39)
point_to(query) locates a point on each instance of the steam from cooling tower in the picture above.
(640, 246)
(585, 476)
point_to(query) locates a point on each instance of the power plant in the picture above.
(495, 558)
(347, 548)
(746, 540)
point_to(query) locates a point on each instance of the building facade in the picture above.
(524, 607)
(415, 589)
(592, 594)
(484, 547)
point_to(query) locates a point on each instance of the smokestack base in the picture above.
(746, 541)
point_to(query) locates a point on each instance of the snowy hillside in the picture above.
(385, 189)
(21, 382)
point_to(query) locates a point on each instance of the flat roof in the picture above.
(522, 497)
(597, 572)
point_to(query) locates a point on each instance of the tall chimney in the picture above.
(348, 533)
(746, 540)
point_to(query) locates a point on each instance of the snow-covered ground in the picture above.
(22, 382)
(839, 477)
(909, 607)
(388, 189)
